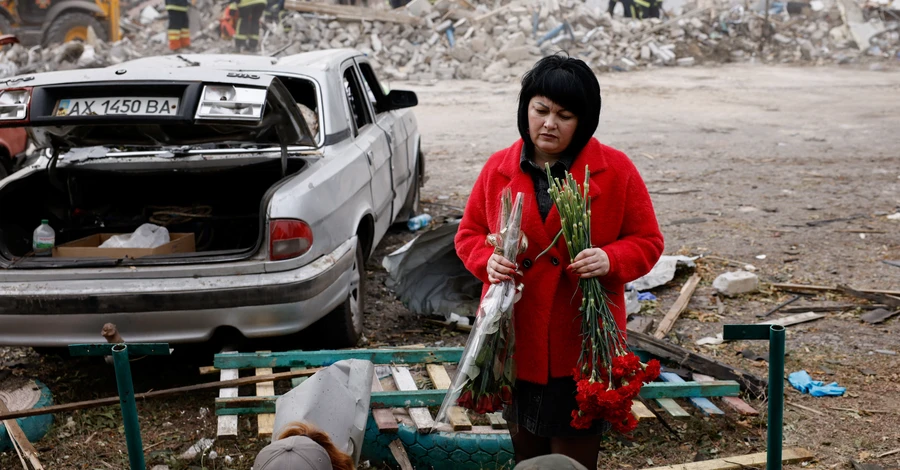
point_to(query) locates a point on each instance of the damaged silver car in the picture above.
(276, 178)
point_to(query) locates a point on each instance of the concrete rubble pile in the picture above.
(447, 39)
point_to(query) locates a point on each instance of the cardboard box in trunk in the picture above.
(89, 247)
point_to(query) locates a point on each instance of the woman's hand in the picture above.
(500, 269)
(592, 262)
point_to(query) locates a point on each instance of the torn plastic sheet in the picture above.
(663, 271)
(429, 278)
(335, 400)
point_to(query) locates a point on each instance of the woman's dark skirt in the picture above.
(546, 410)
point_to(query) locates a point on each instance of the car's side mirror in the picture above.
(400, 99)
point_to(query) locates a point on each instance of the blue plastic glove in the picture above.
(804, 383)
(646, 296)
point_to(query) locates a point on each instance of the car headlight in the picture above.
(227, 102)
(14, 104)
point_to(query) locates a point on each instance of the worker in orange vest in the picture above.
(179, 25)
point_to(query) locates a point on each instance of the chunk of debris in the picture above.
(736, 282)
(198, 448)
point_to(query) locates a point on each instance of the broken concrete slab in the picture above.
(878, 315)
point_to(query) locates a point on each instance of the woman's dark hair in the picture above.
(571, 84)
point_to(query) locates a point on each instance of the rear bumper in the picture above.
(175, 310)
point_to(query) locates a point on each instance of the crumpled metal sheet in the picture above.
(429, 278)
(336, 400)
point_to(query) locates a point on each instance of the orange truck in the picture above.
(45, 22)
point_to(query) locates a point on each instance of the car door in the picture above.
(397, 135)
(372, 140)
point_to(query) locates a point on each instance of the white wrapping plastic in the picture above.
(146, 236)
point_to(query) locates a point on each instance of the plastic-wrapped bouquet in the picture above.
(486, 373)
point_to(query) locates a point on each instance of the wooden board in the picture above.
(831, 289)
(706, 406)
(788, 456)
(296, 381)
(18, 438)
(687, 291)
(672, 407)
(640, 324)
(399, 453)
(420, 415)
(640, 411)
(441, 380)
(497, 421)
(734, 403)
(228, 425)
(265, 422)
(794, 319)
(328, 357)
(384, 417)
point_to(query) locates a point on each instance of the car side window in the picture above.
(373, 88)
(355, 98)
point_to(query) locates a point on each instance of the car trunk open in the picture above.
(224, 209)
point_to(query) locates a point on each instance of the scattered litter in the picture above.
(895, 216)
(760, 256)
(663, 271)
(749, 354)
(886, 352)
(868, 372)
(804, 383)
(198, 448)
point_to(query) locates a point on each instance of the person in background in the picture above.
(275, 12)
(179, 25)
(249, 13)
(638, 9)
(559, 110)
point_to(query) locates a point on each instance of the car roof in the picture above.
(315, 61)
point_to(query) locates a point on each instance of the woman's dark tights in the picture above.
(527, 445)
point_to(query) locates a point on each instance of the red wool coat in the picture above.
(623, 224)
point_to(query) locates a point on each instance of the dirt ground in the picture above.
(744, 163)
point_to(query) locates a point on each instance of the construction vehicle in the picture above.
(48, 22)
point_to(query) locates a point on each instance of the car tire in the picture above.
(71, 26)
(343, 326)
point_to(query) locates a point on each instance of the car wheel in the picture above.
(73, 27)
(343, 327)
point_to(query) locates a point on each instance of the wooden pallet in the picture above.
(398, 397)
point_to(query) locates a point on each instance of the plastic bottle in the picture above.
(419, 221)
(44, 239)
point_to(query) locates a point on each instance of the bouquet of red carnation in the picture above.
(608, 376)
(486, 372)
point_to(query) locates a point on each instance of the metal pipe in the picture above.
(129, 409)
(776, 397)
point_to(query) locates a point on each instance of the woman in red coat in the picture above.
(559, 109)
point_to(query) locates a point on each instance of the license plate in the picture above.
(118, 107)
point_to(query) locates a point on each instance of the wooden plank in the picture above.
(384, 418)
(265, 422)
(81, 405)
(794, 319)
(497, 421)
(756, 386)
(296, 381)
(399, 453)
(441, 380)
(706, 406)
(678, 307)
(734, 403)
(640, 411)
(672, 407)
(787, 286)
(328, 357)
(788, 456)
(228, 425)
(207, 370)
(420, 415)
(18, 438)
(887, 299)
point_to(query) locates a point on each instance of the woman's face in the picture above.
(550, 126)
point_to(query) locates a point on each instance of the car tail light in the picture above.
(288, 239)
(14, 104)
